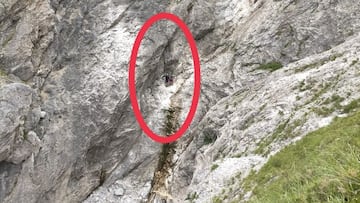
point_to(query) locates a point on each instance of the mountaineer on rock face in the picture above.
(168, 79)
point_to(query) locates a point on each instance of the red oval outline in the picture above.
(132, 85)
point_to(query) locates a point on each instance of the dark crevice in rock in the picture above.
(159, 189)
(119, 18)
(8, 178)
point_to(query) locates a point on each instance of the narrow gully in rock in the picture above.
(159, 189)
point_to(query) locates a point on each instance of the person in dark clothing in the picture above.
(168, 79)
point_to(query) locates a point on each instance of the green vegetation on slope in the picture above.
(168, 128)
(271, 66)
(319, 63)
(166, 156)
(2, 73)
(322, 167)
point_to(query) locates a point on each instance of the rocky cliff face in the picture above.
(271, 72)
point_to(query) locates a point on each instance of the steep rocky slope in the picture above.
(67, 130)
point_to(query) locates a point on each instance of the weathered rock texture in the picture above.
(67, 131)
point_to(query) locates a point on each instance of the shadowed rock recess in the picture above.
(272, 72)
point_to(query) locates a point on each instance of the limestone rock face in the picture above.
(67, 130)
(18, 119)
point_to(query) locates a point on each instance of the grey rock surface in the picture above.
(67, 130)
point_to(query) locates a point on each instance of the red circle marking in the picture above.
(132, 86)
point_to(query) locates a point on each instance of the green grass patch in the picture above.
(305, 67)
(215, 166)
(304, 86)
(209, 136)
(323, 111)
(248, 122)
(216, 200)
(318, 63)
(271, 66)
(191, 197)
(354, 62)
(284, 131)
(322, 167)
(332, 104)
(355, 104)
(334, 99)
(209, 140)
(2, 73)
(318, 92)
